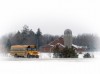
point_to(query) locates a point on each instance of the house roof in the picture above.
(59, 40)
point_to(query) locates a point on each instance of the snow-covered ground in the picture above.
(50, 55)
(46, 56)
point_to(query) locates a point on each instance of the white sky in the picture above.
(51, 16)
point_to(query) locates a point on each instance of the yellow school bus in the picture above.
(24, 51)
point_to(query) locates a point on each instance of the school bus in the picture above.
(24, 51)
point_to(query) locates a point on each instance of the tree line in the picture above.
(89, 40)
(28, 37)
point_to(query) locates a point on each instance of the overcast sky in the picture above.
(51, 16)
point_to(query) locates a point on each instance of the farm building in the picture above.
(61, 43)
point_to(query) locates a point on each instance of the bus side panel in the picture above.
(18, 53)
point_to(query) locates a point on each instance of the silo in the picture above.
(68, 38)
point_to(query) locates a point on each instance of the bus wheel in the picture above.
(37, 56)
(28, 56)
(16, 55)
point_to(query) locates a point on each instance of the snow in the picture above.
(60, 44)
(46, 55)
(78, 46)
(80, 55)
(49, 56)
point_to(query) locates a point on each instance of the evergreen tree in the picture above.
(25, 29)
(65, 53)
(31, 37)
(69, 53)
(56, 51)
(25, 34)
(38, 38)
(8, 44)
(17, 39)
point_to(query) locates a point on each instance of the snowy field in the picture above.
(45, 66)
(47, 56)
(48, 65)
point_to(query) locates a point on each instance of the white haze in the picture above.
(51, 16)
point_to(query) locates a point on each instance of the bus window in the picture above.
(29, 48)
(33, 48)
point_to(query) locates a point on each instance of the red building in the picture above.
(60, 42)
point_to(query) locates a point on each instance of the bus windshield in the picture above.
(31, 49)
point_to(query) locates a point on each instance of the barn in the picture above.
(62, 42)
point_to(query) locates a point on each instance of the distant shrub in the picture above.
(87, 55)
